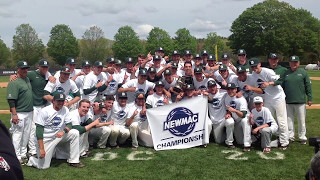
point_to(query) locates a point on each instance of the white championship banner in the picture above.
(179, 125)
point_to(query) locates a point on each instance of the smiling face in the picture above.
(83, 108)
(232, 91)
(23, 72)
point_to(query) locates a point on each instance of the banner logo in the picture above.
(181, 121)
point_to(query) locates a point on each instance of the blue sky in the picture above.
(200, 17)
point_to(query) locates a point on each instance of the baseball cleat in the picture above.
(77, 165)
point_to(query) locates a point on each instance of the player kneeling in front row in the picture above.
(263, 123)
(119, 131)
(138, 124)
(217, 112)
(103, 129)
(82, 121)
(54, 132)
(237, 119)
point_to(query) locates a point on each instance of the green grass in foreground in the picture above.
(194, 163)
(4, 78)
(314, 73)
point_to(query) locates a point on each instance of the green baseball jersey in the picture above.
(38, 82)
(21, 91)
(296, 85)
(279, 70)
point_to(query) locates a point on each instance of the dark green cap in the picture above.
(71, 60)
(110, 60)
(211, 57)
(142, 72)
(189, 87)
(122, 95)
(152, 70)
(59, 97)
(197, 56)
(175, 52)
(241, 51)
(86, 63)
(225, 56)
(294, 58)
(273, 56)
(156, 57)
(98, 64)
(211, 83)
(159, 83)
(44, 62)
(129, 60)
(204, 52)
(187, 52)
(167, 72)
(174, 65)
(160, 49)
(197, 70)
(231, 86)
(118, 61)
(254, 61)
(140, 96)
(241, 68)
(65, 69)
(23, 64)
(223, 67)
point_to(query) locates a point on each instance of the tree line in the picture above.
(269, 26)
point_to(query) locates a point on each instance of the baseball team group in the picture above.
(104, 105)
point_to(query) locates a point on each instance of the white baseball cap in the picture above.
(257, 99)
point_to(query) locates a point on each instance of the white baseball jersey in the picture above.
(91, 80)
(141, 119)
(156, 101)
(112, 86)
(141, 88)
(202, 85)
(67, 87)
(53, 121)
(76, 71)
(237, 103)
(232, 78)
(76, 119)
(119, 114)
(124, 72)
(105, 117)
(168, 85)
(217, 109)
(272, 93)
(79, 82)
(249, 81)
(264, 117)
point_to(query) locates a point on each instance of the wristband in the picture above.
(65, 130)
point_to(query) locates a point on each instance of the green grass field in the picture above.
(213, 162)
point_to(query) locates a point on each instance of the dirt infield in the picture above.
(315, 78)
(3, 84)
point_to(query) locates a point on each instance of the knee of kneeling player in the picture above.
(106, 130)
(74, 132)
(229, 122)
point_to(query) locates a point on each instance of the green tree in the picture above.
(211, 41)
(184, 41)
(4, 52)
(26, 45)
(127, 43)
(93, 45)
(159, 38)
(62, 44)
(273, 26)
